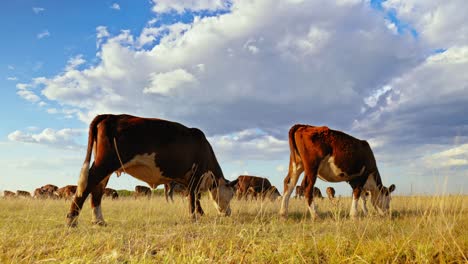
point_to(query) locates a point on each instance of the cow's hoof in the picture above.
(72, 221)
(99, 222)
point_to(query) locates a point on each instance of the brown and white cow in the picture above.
(333, 156)
(155, 151)
(20, 193)
(174, 187)
(39, 194)
(8, 194)
(46, 191)
(111, 193)
(142, 191)
(66, 192)
(255, 186)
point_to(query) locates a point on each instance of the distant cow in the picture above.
(155, 151)
(46, 191)
(20, 193)
(39, 194)
(300, 192)
(142, 191)
(174, 187)
(111, 193)
(255, 186)
(7, 194)
(333, 156)
(330, 193)
(66, 192)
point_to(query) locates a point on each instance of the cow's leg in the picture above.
(95, 176)
(354, 204)
(166, 189)
(199, 208)
(364, 203)
(295, 169)
(309, 192)
(96, 198)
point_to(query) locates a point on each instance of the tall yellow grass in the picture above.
(420, 230)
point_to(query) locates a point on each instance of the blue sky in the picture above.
(389, 71)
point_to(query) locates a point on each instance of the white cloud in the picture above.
(163, 83)
(11, 67)
(28, 95)
(74, 62)
(115, 6)
(162, 6)
(442, 24)
(43, 34)
(12, 78)
(38, 10)
(64, 138)
(249, 144)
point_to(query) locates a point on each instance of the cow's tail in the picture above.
(292, 140)
(83, 180)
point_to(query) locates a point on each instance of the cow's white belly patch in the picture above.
(330, 172)
(143, 167)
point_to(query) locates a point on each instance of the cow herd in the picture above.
(158, 151)
(50, 191)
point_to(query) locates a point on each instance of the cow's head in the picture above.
(381, 199)
(222, 196)
(273, 194)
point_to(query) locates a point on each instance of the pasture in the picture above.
(421, 230)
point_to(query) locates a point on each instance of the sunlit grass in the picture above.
(421, 229)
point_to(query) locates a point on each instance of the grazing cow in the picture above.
(300, 192)
(155, 151)
(47, 191)
(7, 194)
(174, 187)
(142, 191)
(333, 156)
(253, 186)
(39, 194)
(20, 193)
(330, 193)
(271, 193)
(111, 193)
(66, 192)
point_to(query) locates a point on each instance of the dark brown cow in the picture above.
(330, 193)
(333, 156)
(39, 194)
(142, 191)
(254, 186)
(66, 192)
(174, 187)
(111, 193)
(7, 194)
(46, 191)
(155, 151)
(20, 193)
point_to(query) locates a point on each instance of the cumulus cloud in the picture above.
(249, 144)
(245, 75)
(162, 6)
(63, 138)
(441, 24)
(163, 83)
(43, 34)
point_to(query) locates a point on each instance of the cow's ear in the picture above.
(391, 188)
(233, 183)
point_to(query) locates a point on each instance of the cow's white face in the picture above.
(382, 201)
(222, 197)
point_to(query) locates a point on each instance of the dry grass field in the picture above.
(421, 230)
